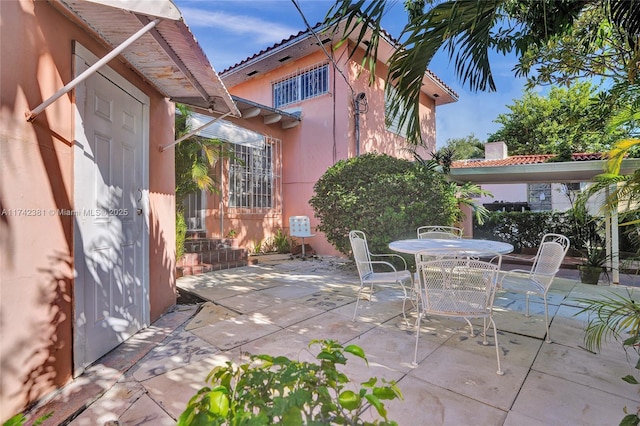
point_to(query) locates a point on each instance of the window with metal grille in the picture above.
(305, 84)
(254, 178)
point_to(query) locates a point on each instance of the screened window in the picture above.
(254, 181)
(393, 123)
(303, 85)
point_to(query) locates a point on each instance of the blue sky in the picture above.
(232, 30)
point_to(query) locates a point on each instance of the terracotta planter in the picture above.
(590, 274)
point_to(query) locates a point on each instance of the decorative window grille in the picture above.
(194, 211)
(393, 123)
(255, 184)
(305, 84)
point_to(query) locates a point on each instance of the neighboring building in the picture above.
(340, 116)
(536, 187)
(87, 225)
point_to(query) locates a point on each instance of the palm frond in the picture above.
(618, 153)
(462, 26)
(613, 317)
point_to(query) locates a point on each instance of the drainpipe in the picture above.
(361, 107)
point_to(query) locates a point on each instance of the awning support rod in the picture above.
(193, 132)
(31, 115)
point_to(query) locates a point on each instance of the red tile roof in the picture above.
(517, 160)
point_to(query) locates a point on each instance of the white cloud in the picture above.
(261, 31)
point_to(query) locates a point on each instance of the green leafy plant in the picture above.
(281, 242)
(20, 419)
(594, 256)
(615, 317)
(257, 247)
(181, 233)
(232, 233)
(278, 390)
(385, 197)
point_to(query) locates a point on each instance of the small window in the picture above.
(393, 123)
(573, 186)
(305, 84)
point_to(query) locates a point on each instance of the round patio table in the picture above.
(481, 248)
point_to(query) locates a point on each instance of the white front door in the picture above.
(110, 199)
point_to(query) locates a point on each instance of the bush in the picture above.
(385, 197)
(181, 234)
(525, 229)
(276, 390)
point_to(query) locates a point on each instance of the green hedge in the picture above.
(385, 197)
(525, 229)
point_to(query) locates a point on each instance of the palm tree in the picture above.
(195, 158)
(468, 30)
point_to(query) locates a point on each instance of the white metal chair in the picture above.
(368, 276)
(300, 227)
(458, 285)
(439, 232)
(538, 279)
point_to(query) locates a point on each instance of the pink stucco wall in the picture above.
(36, 173)
(327, 132)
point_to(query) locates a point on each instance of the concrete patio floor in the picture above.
(277, 307)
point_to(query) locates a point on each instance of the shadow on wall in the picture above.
(162, 262)
(42, 339)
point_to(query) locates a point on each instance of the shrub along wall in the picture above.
(525, 229)
(385, 197)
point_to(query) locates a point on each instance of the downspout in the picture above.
(221, 197)
(359, 98)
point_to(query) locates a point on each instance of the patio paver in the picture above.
(278, 308)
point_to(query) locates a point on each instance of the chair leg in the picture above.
(404, 300)
(415, 352)
(303, 253)
(546, 319)
(527, 311)
(471, 333)
(357, 301)
(495, 337)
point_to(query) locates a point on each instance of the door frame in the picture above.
(82, 59)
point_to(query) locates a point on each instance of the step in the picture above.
(213, 257)
(194, 245)
(210, 254)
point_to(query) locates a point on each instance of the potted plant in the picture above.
(593, 264)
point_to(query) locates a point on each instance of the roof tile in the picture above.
(517, 160)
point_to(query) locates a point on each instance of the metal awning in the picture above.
(167, 55)
(226, 131)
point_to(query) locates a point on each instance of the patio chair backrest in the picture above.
(439, 232)
(361, 254)
(548, 260)
(300, 226)
(457, 285)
